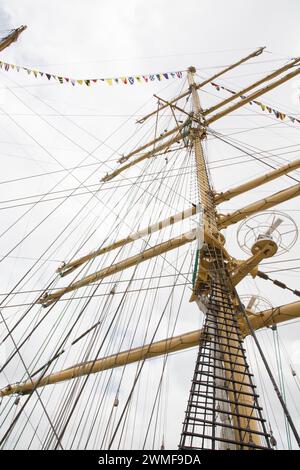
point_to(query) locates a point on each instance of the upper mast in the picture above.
(198, 133)
(11, 37)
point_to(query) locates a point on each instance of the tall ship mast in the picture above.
(88, 345)
(11, 36)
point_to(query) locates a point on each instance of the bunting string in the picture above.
(125, 80)
(263, 107)
(134, 79)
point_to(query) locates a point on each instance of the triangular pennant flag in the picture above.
(216, 86)
(269, 109)
(282, 116)
(139, 79)
(291, 118)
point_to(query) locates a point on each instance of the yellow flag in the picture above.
(80, 82)
(109, 81)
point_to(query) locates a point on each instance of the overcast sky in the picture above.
(125, 36)
(93, 38)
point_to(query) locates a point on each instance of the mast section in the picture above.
(222, 410)
(198, 133)
(12, 37)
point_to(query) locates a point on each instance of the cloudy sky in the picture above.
(47, 127)
(112, 38)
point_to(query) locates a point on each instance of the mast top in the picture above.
(192, 69)
(12, 37)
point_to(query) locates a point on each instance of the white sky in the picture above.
(93, 38)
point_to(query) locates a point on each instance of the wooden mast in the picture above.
(255, 53)
(11, 37)
(236, 403)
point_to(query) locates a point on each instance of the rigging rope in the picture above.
(278, 283)
(281, 400)
(281, 380)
